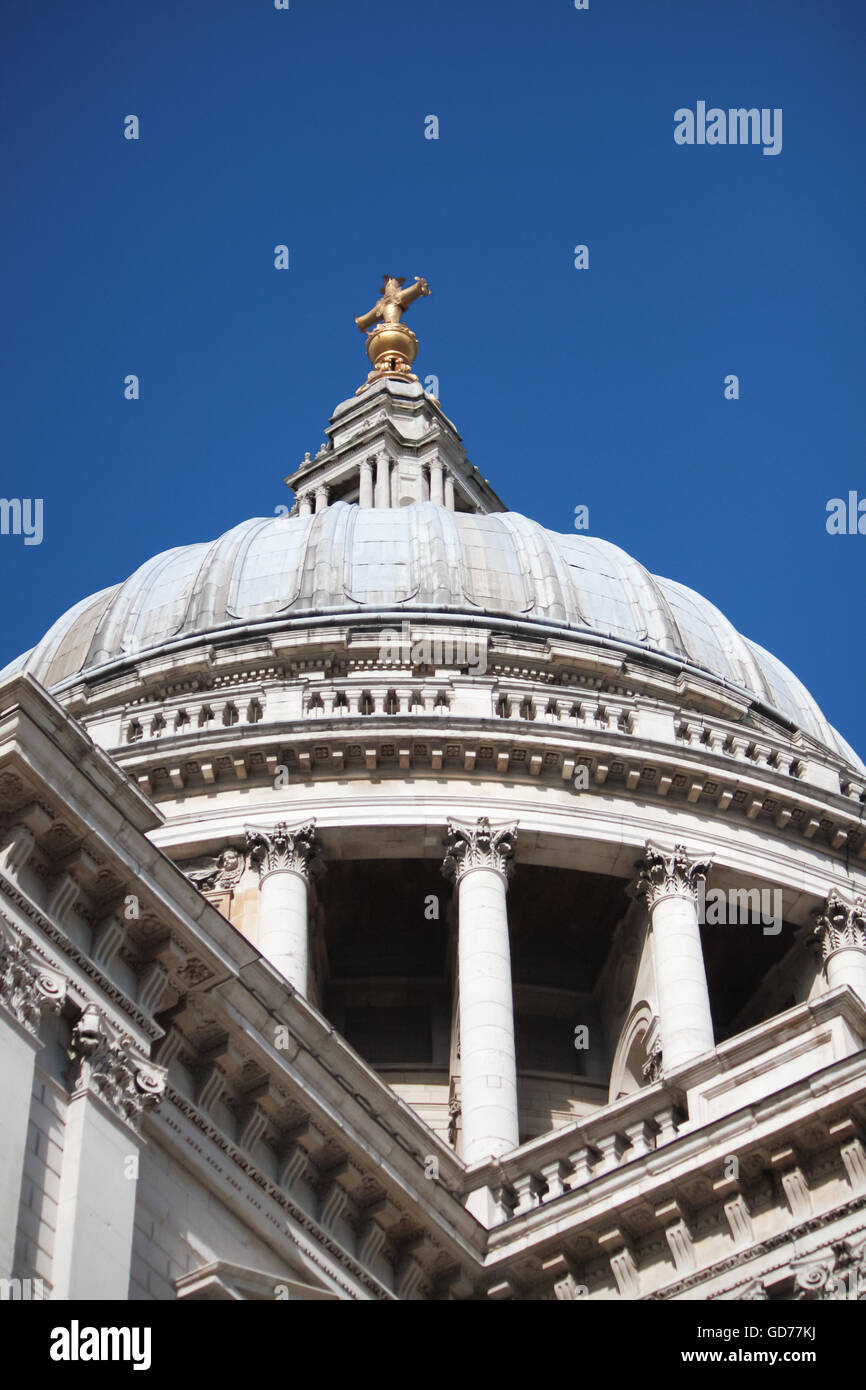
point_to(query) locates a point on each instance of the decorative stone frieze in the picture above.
(675, 875)
(105, 1063)
(283, 849)
(479, 846)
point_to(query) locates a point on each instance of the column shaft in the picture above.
(283, 934)
(383, 481)
(488, 1065)
(848, 967)
(669, 883)
(365, 490)
(437, 493)
(282, 854)
(683, 999)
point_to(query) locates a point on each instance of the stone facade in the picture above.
(359, 944)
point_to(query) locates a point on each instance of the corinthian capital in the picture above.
(26, 991)
(285, 848)
(839, 927)
(673, 875)
(105, 1063)
(478, 845)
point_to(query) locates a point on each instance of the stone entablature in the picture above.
(329, 707)
(640, 771)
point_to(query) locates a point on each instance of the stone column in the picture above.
(841, 931)
(383, 481)
(669, 883)
(283, 856)
(479, 861)
(437, 493)
(305, 505)
(111, 1086)
(321, 497)
(25, 994)
(365, 491)
(449, 493)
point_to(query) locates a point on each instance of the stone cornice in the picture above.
(743, 1259)
(654, 1180)
(322, 1245)
(542, 653)
(788, 807)
(76, 958)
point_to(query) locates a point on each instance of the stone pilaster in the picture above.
(26, 993)
(668, 882)
(111, 1086)
(841, 931)
(479, 860)
(283, 856)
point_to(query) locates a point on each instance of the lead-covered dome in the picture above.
(417, 558)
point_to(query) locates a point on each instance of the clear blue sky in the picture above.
(602, 387)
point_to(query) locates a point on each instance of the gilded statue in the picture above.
(394, 299)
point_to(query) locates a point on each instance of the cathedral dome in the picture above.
(487, 570)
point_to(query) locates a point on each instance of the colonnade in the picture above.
(379, 486)
(479, 861)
